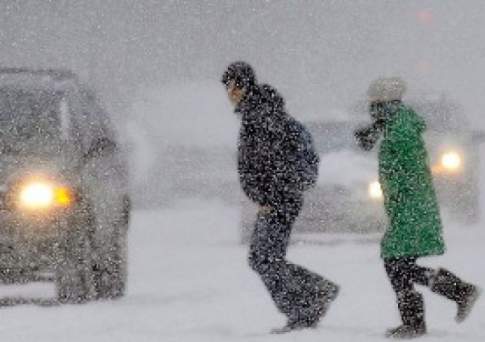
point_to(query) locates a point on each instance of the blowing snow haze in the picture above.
(321, 55)
(169, 230)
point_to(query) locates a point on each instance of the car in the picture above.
(64, 192)
(348, 197)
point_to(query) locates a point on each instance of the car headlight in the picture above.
(451, 161)
(43, 195)
(375, 191)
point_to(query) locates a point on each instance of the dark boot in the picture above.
(328, 293)
(450, 286)
(411, 308)
(293, 325)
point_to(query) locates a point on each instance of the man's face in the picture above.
(234, 93)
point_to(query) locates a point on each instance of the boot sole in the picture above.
(331, 295)
(335, 289)
(395, 336)
(286, 330)
(471, 303)
(329, 299)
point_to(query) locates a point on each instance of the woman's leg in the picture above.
(450, 286)
(402, 273)
(446, 284)
(419, 274)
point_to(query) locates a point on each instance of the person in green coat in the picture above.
(414, 222)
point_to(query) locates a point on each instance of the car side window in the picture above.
(96, 123)
(68, 107)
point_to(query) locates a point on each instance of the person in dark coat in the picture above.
(415, 228)
(271, 175)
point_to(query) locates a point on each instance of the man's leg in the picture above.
(410, 302)
(302, 295)
(267, 257)
(312, 294)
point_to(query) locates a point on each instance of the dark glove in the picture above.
(366, 137)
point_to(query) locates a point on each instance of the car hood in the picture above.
(13, 167)
(347, 168)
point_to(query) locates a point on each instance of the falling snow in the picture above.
(131, 184)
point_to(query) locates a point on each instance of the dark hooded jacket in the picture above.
(268, 148)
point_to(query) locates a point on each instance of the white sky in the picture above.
(321, 55)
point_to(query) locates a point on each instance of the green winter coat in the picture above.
(415, 228)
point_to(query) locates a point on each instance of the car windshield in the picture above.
(333, 136)
(28, 117)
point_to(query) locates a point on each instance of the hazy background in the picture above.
(320, 54)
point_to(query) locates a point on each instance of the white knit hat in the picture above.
(387, 89)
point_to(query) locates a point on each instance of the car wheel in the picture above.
(74, 276)
(111, 273)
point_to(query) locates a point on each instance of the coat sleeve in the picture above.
(252, 183)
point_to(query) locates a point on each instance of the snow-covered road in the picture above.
(189, 281)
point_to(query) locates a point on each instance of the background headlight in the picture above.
(37, 195)
(43, 195)
(63, 196)
(451, 161)
(375, 191)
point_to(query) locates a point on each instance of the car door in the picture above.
(104, 173)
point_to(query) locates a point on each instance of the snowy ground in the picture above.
(189, 281)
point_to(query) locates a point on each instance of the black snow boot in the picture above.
(293, 325)
(411, 308)
(450, 286)
(328, 293)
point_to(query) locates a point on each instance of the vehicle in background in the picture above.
(64, 201)
(348, 197)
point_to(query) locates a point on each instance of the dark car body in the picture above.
(64, 186)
